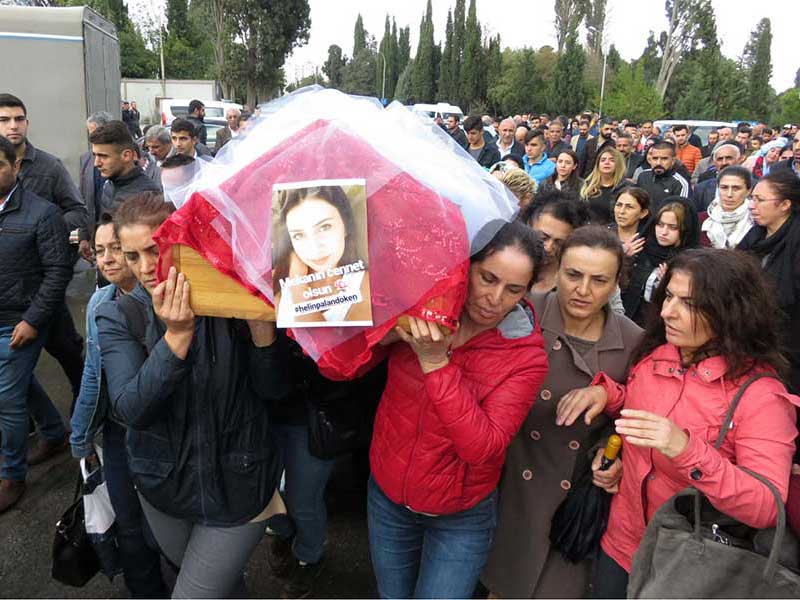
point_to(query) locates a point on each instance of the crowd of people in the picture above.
(646, 277)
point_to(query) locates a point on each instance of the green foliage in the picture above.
(389, 49)
(403, 49)
(473, 72)
(334, 66)
(788, 107)
(519, 87)
(632, 97)
(359, 36)
(757, 61)
(359, 73)
(138, 61)
(402, 92)
(568, 92)
(178, 19)
(423, 77)
(445, 88)
(595, 25)
(568, 17)
(306, 81)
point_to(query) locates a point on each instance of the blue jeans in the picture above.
(306, 478)
(421, 556)
(16, 378)
(141, 564)
(45, 414)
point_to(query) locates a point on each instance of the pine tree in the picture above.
(359, 36)
(334, 66)
(473, 75)
(403, 50)
(423, 80)
(384, 65)
(457, 52)
(494, 64)
(445, 88)
(569, 95)
(758, 64)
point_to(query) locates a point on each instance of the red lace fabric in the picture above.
(418, 242)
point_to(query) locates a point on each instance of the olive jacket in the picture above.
(544, 460)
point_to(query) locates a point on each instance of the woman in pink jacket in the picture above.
(718, 325)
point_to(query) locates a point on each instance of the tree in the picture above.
(178, 18)
(757, 62)
(334, 66)
(359, 35)
(650, 60)
(797, 79)
(686, 18)
(494, 63)
(359, 74)
(403, 49)
(569, 94)
(569, 14)
(595, 25)
(387, 63)
(138, 61)
(445, 89)
(788, 107)
(402, 92)
(263, 37)
(631, 96)
(457, 52)
(473, 72)
(519, 85)
(423, 77)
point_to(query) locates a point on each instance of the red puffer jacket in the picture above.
(440, 439)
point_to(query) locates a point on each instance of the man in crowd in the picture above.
(661, 180)
(116, 155)
(555, 143)
(44, 175)
(632, 129)
(455, 131)
(578, 142)
(535, 161)
(743, 137)
(685, 152)
(34, 273)
(725, 134)
(233, 117)
(713, 138)
(158, 142)
(633, 160)
(506, 143)
(185, 140)
(129, 118)
(520, 132)
(590, 150)
(485, 153)
(197, 113)
(91, 182)
(726, 154)
(647, 133)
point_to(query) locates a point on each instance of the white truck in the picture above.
(63, 63)
(149, 94)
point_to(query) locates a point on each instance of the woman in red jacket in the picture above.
(718, 326)
(452, 404)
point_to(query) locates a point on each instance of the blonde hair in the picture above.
(519, 183)
(592, 186)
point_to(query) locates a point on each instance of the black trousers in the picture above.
(66, 345)
(609, 579)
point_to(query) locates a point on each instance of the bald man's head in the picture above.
(506, 131)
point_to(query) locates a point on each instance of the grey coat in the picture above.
(544, 459)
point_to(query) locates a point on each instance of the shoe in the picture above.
(10, 493)
(301, 582)
(280, 557)
(45, 450)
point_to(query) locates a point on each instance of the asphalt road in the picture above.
(26, 531)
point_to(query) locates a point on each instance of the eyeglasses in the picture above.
(759, 200)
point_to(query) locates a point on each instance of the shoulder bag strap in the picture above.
(726, 424)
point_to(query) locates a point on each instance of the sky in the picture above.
(629, 23)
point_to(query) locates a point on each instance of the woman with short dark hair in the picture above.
(717, 326)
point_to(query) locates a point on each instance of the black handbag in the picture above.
(75, 561)
(692, 550)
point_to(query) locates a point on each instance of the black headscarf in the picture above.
(783, 249)
(689, 235)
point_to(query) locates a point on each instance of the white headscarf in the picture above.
(726, 229)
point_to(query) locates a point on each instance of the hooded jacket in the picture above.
(696, 399)
(440, 438)
(660, 187)
(198, 434)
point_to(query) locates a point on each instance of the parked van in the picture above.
(171, 108)
(442, 110)
(701, 128)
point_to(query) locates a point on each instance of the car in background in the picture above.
(441, 110)
(171, 108)
(700, 128)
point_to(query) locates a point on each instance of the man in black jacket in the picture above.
(34, 274)
(591, 147)
(662, 180)
(197, 113)
(115, 156)
(455, 131)
(485, 154)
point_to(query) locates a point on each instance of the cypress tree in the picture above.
(445, 92)
(457, 52)
(760, 69)
(359, 35)
(424, 73)
(473, 75)
(403, 50)
(569, 94)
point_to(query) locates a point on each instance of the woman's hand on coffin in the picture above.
(171, 305)
(428, 342)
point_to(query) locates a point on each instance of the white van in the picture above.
(171, 108)
(701, 128)
(441, 110)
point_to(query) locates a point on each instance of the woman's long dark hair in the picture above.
(572, 180)
(333, 195)
(729, 290)
(510, 235)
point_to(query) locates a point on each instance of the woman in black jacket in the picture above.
(775, 241)
(193, 392)
(674, 228)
